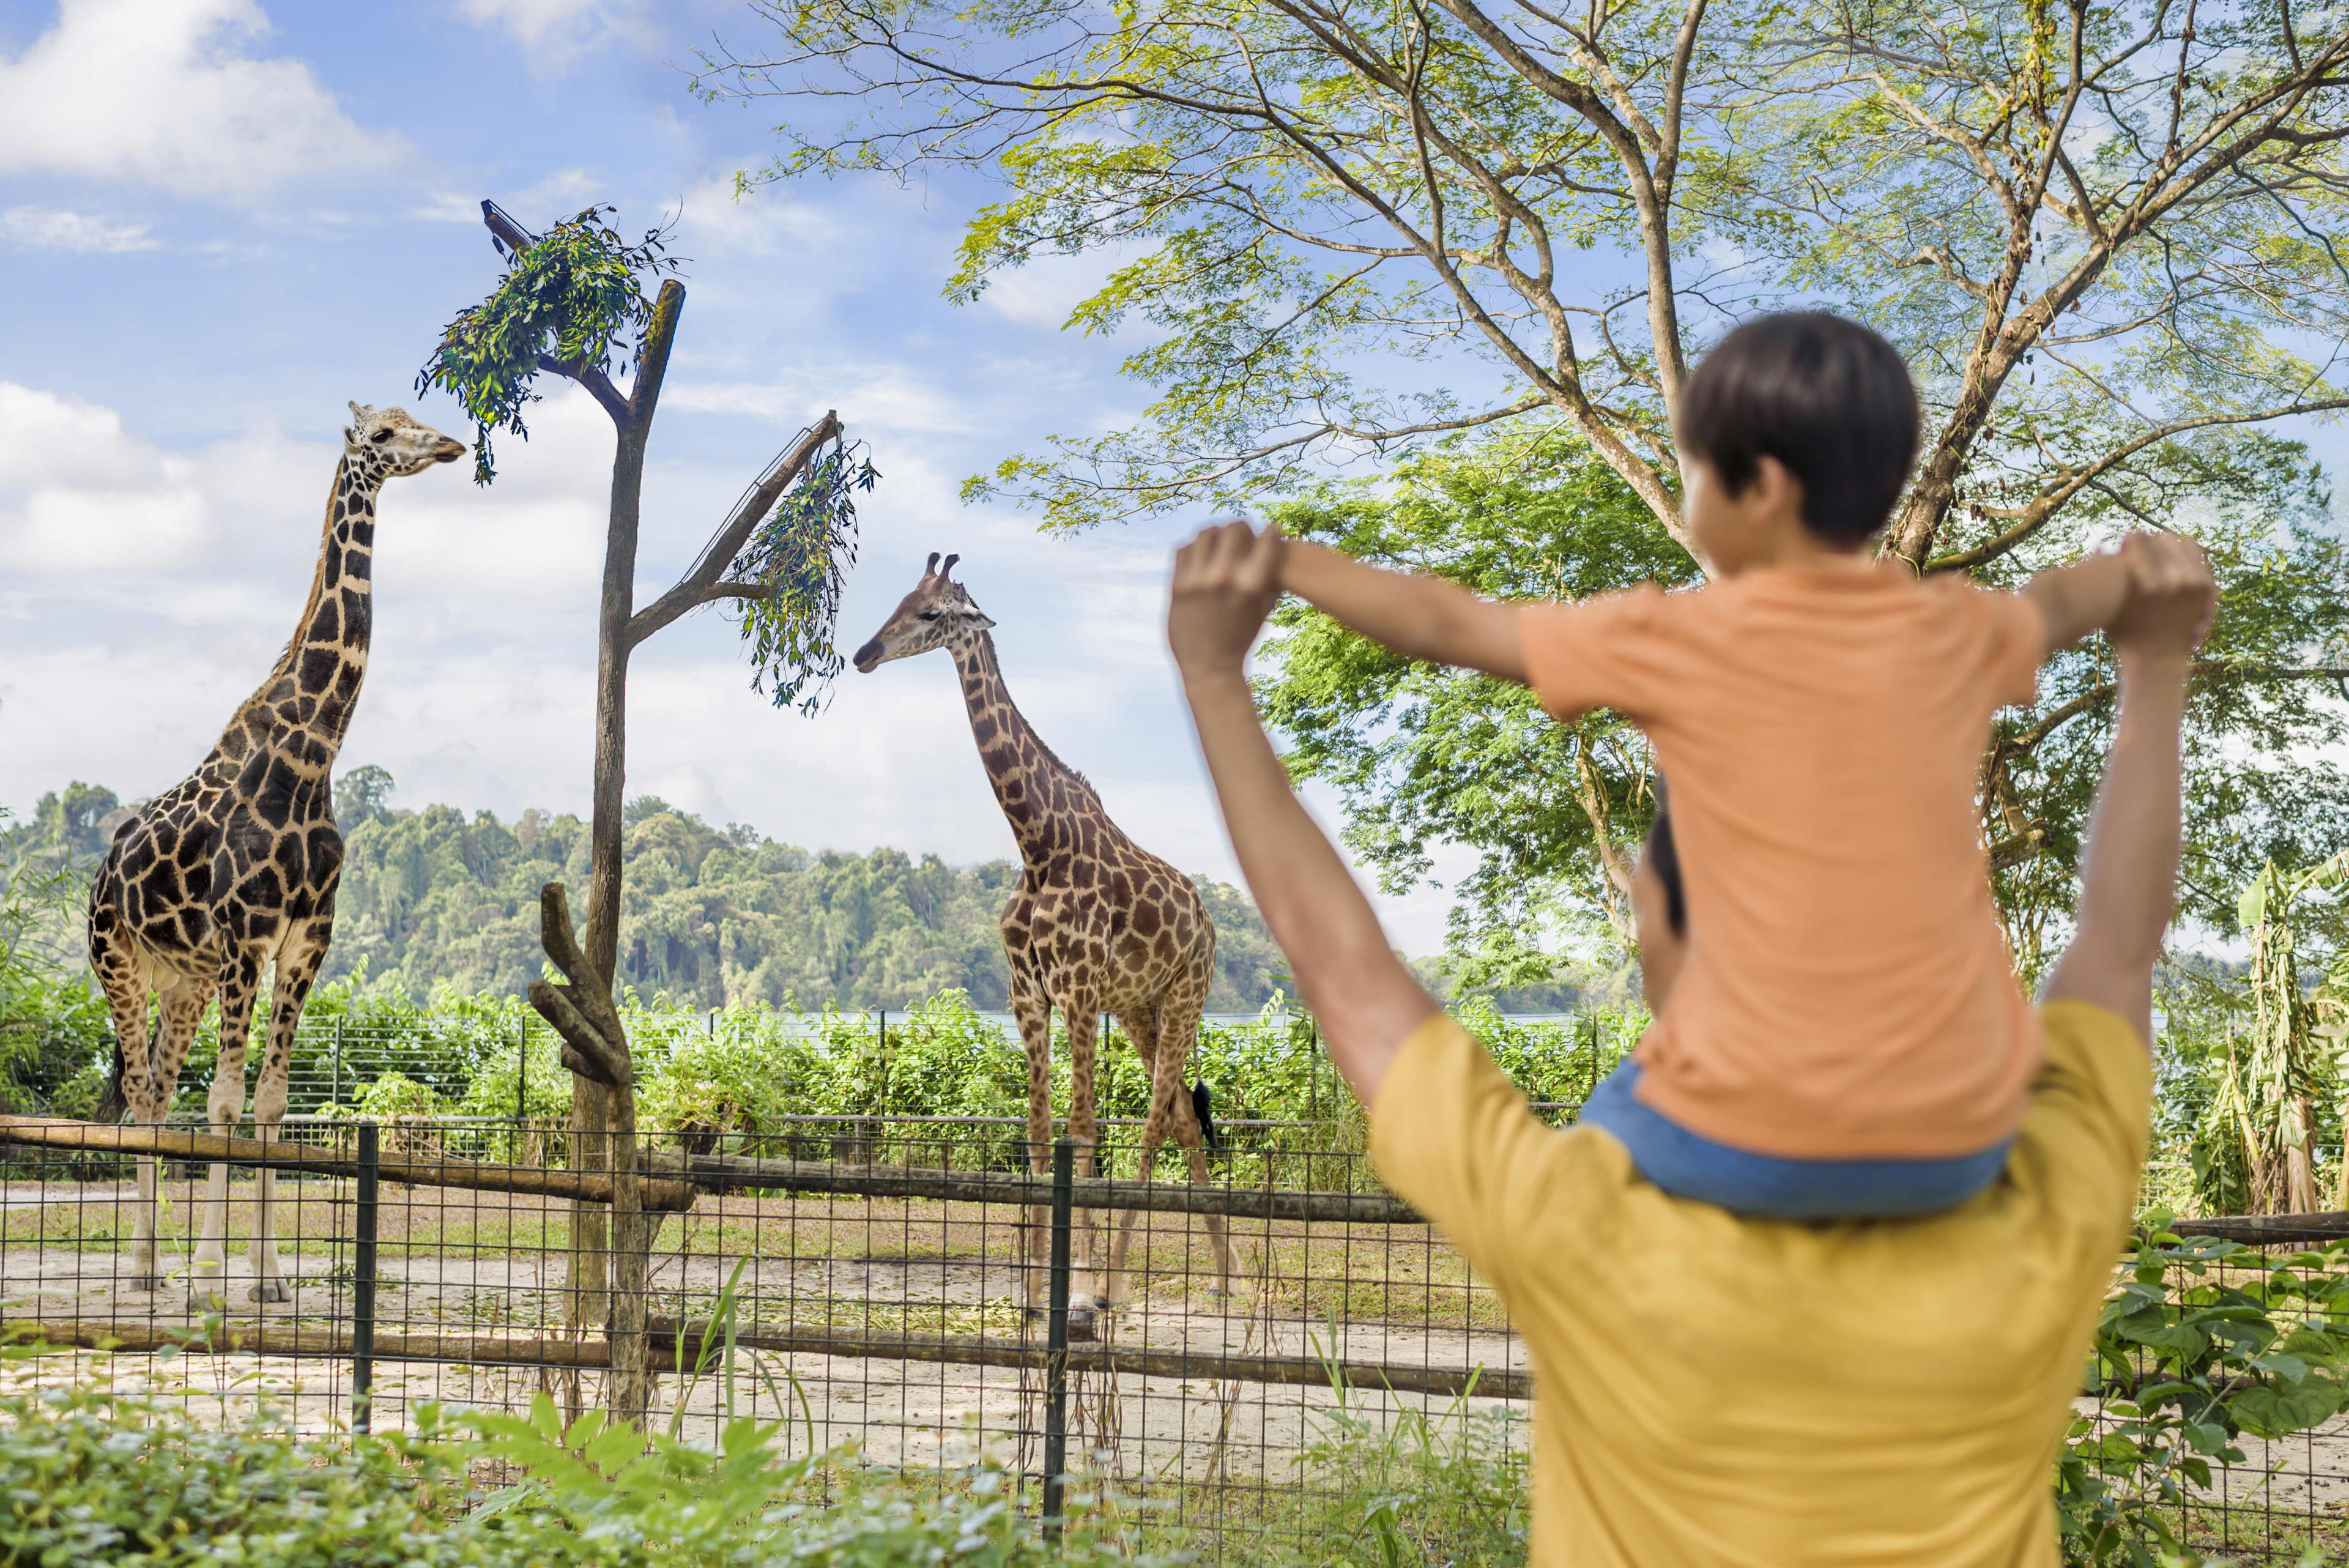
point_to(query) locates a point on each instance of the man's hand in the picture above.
(2171, 598)
(1225, 583)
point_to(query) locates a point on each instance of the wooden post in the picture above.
(1056, 1346)
(363, 1284)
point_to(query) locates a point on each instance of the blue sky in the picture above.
(220, 219)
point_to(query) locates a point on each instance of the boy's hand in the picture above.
(2171, 598)
(1226, 581)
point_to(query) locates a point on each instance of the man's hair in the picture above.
(1665, 857)
(1825, 396)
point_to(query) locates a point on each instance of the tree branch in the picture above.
(2069, 482)
(512, 239)
(702, 581)
(599, 386)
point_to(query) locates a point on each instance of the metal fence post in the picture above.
(521, 1088)
(363, 1286)
(1056, 1342)
(335, 1095)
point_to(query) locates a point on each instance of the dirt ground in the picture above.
(490, 1264)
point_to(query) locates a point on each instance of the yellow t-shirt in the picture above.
(1722, 1391)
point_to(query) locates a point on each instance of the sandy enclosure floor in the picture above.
(453, 1263)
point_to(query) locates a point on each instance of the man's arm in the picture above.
(1366, 1001)
(2092, 592)
(1419, 617)
(2128, 887)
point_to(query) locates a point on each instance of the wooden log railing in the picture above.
(176, 1143)
(668, 1338)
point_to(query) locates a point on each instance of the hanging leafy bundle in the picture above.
(573, 301)
(801, 555)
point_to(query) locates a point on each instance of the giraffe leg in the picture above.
(1081, 1012)
(119, 976)
(1140, 1027)
(297, 967)
(1173, 1107)
(239, 981)
(1033, 1014)
(179, 1011)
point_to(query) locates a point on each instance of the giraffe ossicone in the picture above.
(1097, 924)
(234, 869)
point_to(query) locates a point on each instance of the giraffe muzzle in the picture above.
(867, 657)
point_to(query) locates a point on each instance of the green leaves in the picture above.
(2206, 1344)
(800, 557)
(1422, 756)
(571, 297)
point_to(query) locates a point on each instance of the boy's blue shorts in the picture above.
(1687, 1165)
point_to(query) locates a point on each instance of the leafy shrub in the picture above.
(2189, 1365)
(86, 1477)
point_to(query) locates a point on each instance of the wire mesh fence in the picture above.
(891, 1284)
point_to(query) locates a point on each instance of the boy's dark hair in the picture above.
(1665, 857)
(1825, 396)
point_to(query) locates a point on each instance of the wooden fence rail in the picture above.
(175, 1143)
(666, 1337)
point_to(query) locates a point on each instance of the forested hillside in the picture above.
(713, 915)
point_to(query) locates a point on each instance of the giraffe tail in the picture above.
(1202, 1107)
(113, 1105)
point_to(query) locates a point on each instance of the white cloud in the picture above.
(54, 229)
(757, 223)
(1044, 292)
(557, 29)
(876, 398)
(166, 92)
(557, 196)
(78, 493)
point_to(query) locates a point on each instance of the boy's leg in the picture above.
(2128, 887)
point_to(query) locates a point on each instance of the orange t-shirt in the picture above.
(1847, 992)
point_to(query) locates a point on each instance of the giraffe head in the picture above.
(384, 444)
(933, 615)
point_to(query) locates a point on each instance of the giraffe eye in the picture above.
(929, 615)
(382, 435)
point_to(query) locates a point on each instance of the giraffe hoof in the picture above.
(147, 1283)
(1081, 1325)
(270, 1291)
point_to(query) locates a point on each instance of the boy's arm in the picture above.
(2090, 592)
(1419, 617)
(2128, 887)
(1366, 1001)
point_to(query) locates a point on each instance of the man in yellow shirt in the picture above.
(1714, 1389)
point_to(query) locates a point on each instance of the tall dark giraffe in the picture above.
(235, 866)
(1098, 924)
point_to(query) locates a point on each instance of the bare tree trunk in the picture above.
(608, 1269)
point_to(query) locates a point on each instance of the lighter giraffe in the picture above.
(1097, 925)
(236, 866)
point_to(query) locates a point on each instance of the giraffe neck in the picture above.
(306, 706)
(1034, 788)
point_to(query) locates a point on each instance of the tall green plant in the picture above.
(2256, 1144)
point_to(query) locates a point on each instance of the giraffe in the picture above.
(235, 866)
(1097, 924)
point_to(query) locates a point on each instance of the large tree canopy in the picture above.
(2101, 234)
(2105, 236)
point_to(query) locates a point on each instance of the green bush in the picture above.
(88, 1478)
(2203, 1343)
